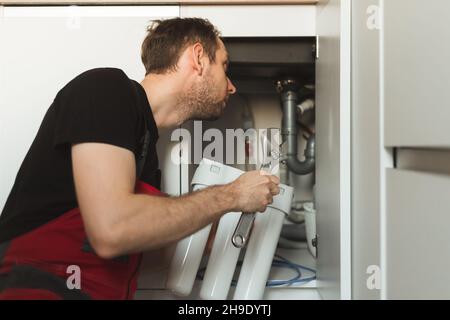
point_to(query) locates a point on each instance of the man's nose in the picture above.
(231, 87)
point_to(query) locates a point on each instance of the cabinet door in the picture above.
(333, 149)
(417, 73)
(365, 146)
(418, 217)
(42, 48)
(416, 112)
(257, 20)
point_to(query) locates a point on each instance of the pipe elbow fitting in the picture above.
(308, 165)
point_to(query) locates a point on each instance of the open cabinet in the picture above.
(316, 50)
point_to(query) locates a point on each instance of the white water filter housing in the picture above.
(186, 260)
(224, 256)
(262, 246)
(189, 251)
(222, 261)
(259, 255)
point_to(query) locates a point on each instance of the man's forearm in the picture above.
(148, 222)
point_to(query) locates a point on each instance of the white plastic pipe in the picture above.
(189, 251)
(306, 105)
(261, 247)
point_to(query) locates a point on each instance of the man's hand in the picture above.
(254, 191)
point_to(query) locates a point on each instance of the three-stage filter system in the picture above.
(224, 255)
(266, 228)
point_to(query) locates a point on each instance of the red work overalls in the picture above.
(38, 264)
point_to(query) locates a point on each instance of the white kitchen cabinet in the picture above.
(331, 22)
(333, 171)
(415, 106)
(365, 146)
(417, 73)
(257, 20)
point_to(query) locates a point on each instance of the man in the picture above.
(85, 198)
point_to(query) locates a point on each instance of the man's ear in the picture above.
(198, 58)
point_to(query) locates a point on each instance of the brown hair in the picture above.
(166, 40)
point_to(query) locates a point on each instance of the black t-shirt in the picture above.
(100, 105)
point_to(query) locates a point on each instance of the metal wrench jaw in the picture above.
(243, 228)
